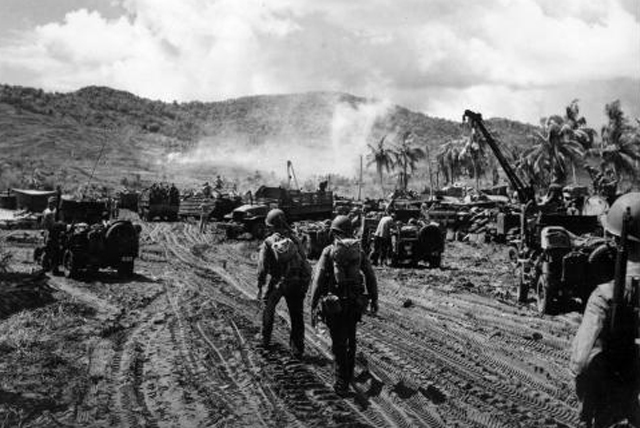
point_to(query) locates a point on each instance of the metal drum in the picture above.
(595, 205)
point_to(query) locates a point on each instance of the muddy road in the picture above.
(178, 345)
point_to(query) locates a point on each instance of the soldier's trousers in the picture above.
(296, 315)
(342, 328)
(380, 251)
(606, 398)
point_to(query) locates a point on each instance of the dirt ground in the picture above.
(178, 346)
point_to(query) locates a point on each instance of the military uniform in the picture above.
(292, 289)
(342, 325)
(382, 241)
(607, 385)
(605, 358)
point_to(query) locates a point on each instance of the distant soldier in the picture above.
(174, 195)
(204, 217)
(206, 190)
(338, 296)
(283, 259)
(606, 360)
(52, 234)
(382, 239)
(573, 209)
(219, 184)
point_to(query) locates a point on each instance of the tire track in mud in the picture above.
(376, 414)
(493, 374)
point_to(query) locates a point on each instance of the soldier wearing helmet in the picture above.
(607, 374)
(338, 296)
(282, 257)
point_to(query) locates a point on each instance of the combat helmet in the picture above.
(341, 224)
(275, 218)
(613, 221)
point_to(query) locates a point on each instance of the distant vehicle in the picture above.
(417, 242)
(92, 247)
(89, 241)
(297, 205)
(217, 206)
(158, 202)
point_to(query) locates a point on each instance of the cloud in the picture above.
(444, 52)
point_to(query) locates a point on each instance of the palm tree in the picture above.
(383, 159)
(448, 160)
(406, 157)
(620, 147)
(556, 149)
(578, 124)
(473, 156)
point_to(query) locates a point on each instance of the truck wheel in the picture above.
(522, 291)
(435, 261)
(69, 264)
(544, 299)
(258, 230)
(125, 269)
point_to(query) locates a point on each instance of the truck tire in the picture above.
(522, 290)
(435, 261)
(125, 269)
(544, 298)
(70, 264)
(257, 230)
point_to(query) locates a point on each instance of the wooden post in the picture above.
(360, 181)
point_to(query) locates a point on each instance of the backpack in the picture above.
(295, 269)
(346, 255)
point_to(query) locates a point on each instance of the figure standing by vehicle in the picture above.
(382, 239)
(339, 290)
(52, 231)
(204, 217)
(283, 259)
(605, 357)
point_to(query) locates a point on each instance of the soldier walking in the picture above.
(204, 217)
(283, 259)
(605, 358)
(339, 291)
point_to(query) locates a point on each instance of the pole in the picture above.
(360, 181)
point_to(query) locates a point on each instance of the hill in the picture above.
(57, 137)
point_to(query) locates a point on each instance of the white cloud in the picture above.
(444, 52)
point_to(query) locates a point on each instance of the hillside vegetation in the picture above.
(48, 138)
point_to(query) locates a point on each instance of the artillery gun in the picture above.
(548, 256)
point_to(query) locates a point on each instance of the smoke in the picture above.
(337, 152)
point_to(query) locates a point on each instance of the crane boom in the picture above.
(525, 193)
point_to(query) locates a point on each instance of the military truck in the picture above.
(297, 205)
(217, 206)
(159, 202)
(91, 247)
(547, 256)
(417, 241)
(88, 240)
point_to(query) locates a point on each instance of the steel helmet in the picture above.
(275, 218)
(613, 221)
(342, 224)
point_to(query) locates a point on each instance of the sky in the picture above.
(519, 59)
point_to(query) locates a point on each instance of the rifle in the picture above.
(620, 281)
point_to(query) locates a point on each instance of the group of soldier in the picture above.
(343, 284)
(163, 193)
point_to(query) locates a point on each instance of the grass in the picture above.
(43, 358)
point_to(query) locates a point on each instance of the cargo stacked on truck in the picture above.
(296, 204)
